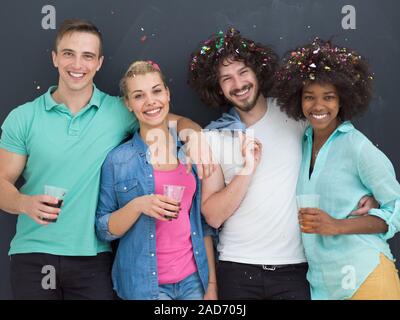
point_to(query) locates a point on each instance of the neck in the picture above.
(161, 143)
(251, 117)
(321, 135)
(73, 100)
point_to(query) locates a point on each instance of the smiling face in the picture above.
(320, 104)
(148, 98)
(78, 59)
(238, 84)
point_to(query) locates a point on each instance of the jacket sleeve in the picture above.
(107, 202)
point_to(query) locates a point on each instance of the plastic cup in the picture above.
(307, 201)
(174, 192)
(58, 193)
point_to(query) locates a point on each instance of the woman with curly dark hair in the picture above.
(348, 258)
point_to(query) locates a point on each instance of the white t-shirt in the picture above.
(264, 229)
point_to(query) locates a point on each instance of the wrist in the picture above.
(21, 203)
(339, 226)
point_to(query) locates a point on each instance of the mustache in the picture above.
(245, 87)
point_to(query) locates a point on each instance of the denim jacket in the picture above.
(126, 174)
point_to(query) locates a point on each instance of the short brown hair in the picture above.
(78, 25)
(139, 68)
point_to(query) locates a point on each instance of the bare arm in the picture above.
(211, 293)
(14, 202)
(219, 202)
(156, 206)
(362, 225)
(11, 167)
(313, 220)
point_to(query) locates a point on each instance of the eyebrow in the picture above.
(85, 52)
(142, 90)
(328, 92)
(227, 75)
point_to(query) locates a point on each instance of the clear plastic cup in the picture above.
(307, 201)
(174, 192)
(58, 193)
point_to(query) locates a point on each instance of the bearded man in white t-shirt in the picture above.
(251, 197)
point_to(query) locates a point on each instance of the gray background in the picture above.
(173, 28)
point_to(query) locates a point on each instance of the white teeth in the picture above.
(153, 111)
(319, 116)
(241, 93)
(76, 75)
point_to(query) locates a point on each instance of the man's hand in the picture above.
(251, 151)
(37, 208)
(313, 220)
(198, 152)
(365, 204)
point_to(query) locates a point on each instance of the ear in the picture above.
(168, 94)
(54, 57)
(126, 101)
(101, 59)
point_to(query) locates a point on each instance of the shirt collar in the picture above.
(343, 128)
(95, 100)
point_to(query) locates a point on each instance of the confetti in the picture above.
(142, 29)
(143, 38)
(312, 65)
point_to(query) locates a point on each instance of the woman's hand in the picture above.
(157, 206)
(313, 220)
(211, 293)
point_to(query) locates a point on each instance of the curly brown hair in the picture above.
(325, 63)
(205, 62)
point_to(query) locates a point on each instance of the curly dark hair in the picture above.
(325, 63)
(205, 62)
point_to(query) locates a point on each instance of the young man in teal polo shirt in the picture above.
(61, 139)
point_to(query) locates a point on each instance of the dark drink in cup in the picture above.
(53, 205)
(55, 192)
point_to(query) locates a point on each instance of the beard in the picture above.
(247, 105)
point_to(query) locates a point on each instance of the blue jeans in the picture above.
(189, 288)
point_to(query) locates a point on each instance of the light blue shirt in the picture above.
(348, 167)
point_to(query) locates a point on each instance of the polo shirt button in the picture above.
(194, 233)
(154, 273)
(152, 254)
(197, 252)
(151, 236)
(151, 176)
(125, 188)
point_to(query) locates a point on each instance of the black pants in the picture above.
(238, 281)
(41, 276)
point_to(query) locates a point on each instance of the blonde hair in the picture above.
(139, 68)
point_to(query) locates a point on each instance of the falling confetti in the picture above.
(142, 28)
(143, 38)
(38, 88)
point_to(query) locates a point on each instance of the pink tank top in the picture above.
(175, 260)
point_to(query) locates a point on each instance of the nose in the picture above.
(237, 83)
(77, 63)
(150, 100)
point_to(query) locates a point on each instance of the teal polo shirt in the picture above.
(67, 151)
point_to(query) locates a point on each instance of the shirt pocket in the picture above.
(126, 191)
